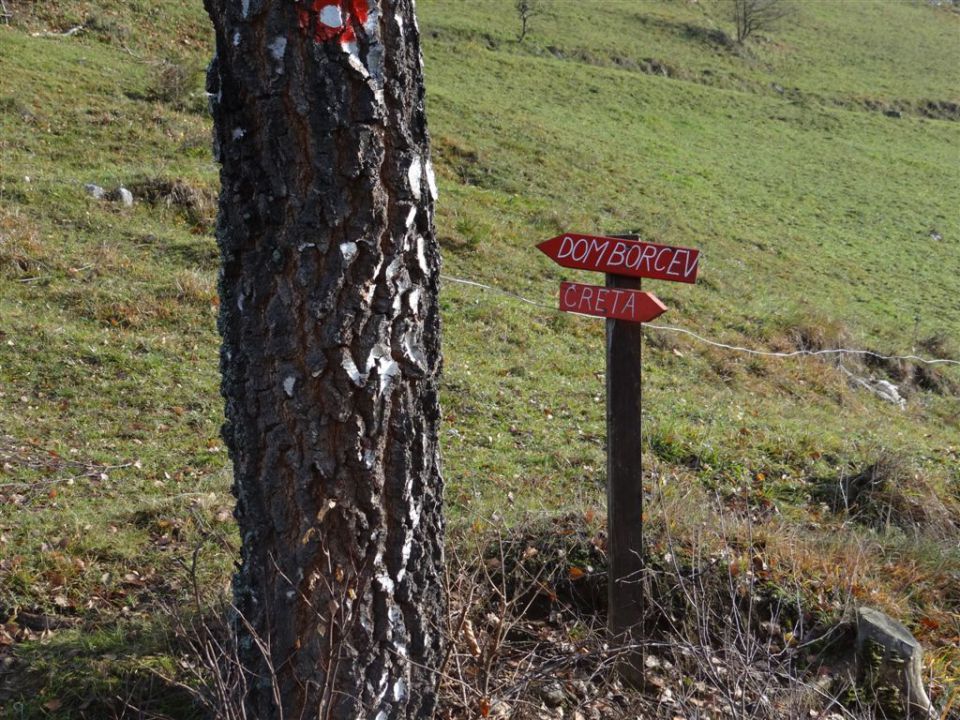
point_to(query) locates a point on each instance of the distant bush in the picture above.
(751, 16)
(527, 9)
(179, 85)
(889, 492)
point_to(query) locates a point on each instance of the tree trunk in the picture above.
(330, 355)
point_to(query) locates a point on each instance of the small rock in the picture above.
(125, 196)
(552, 694)
(95, 191)
(893, 113)
(890, 392)
(890, 656)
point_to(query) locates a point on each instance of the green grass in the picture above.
(814, 210)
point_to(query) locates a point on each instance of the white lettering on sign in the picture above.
(598, 301)
(618, 256)
(650, 258)
(611, 302)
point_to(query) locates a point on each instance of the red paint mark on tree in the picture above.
(326, 20)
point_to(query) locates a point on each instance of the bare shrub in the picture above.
(526, 11)
(933, 377)
(813, 331)
(180, 85)
(527, 627)
(888, 492)
(752, 16)
(715, 617)
(196, 287)
(23, 253)
(197, 204)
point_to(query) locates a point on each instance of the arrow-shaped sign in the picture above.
(617, 303)
(616, 256)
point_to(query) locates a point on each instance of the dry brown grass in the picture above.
(24, 254)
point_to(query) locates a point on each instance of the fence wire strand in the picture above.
(840, 352)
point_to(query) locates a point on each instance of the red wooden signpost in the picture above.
(625, 260)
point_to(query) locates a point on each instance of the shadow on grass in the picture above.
(125, 670)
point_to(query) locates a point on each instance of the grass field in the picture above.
(817, 168)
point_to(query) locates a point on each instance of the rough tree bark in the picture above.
(330, 354)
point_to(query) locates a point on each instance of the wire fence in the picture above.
(837, 352)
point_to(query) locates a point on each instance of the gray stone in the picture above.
(552, 694)
(890, 392)
(95, 191)
(890, 661)
(125, 196)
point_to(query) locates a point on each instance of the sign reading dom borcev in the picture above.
(617, 256)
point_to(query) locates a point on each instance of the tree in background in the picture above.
(330, 354)
(527, 9)
(750, 16)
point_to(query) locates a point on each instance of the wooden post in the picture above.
(625, 261)
(624, 483)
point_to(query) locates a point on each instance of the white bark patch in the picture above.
(405, 554)
(414, 353)
(416, 510)
(350, 367)
(422, 254)
(373, 17)
(392, 269)
(389, 369)
(288, 385)
(374, 48)
(245, 7)
(277, 50)
(349, 251)
(432, 181)
(238, 132)
(415, 176)
(236, 39)
(386, 583)
(400, 690)
(394, 616)
(411, 217)
(413, 300)
(330, 16)
(352, 49)
(240, 302)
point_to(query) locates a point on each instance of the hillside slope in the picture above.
(817, 168)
